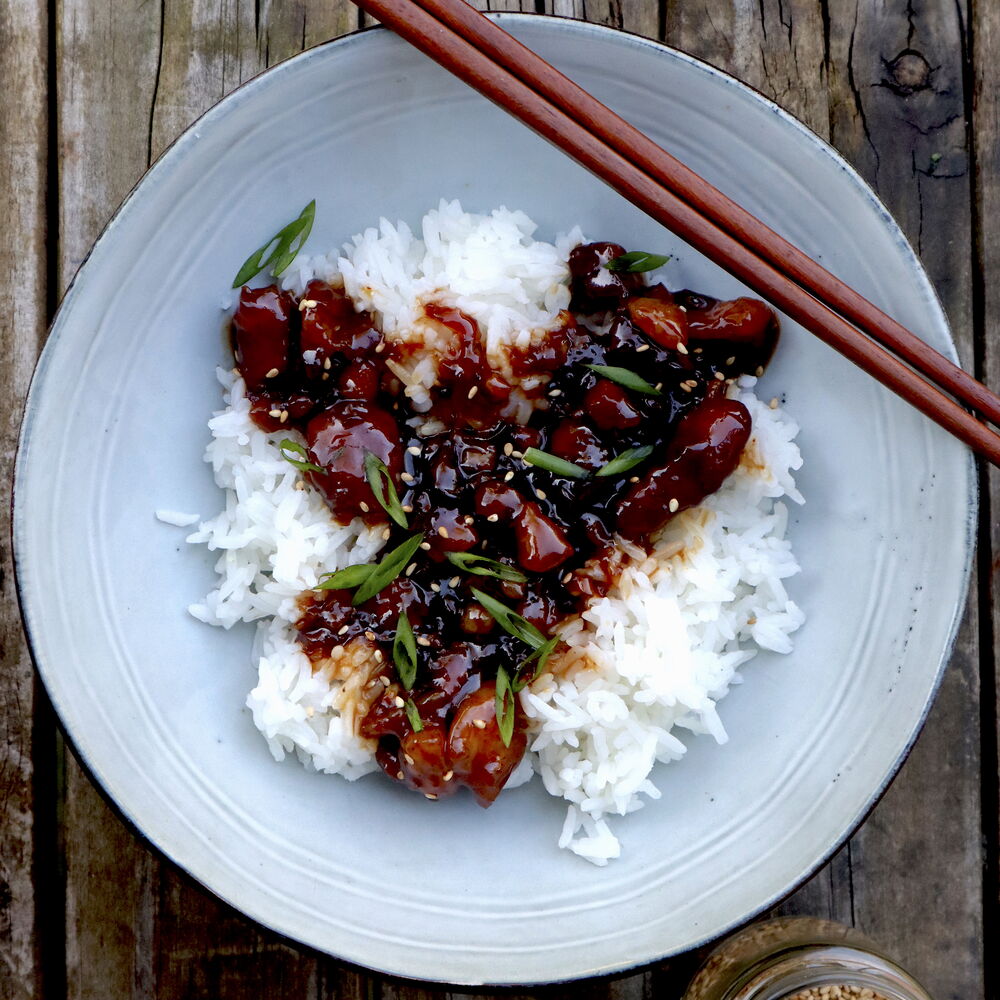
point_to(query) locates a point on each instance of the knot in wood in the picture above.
(908, 73)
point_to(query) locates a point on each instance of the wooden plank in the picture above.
(985, 32)
(898, 107)
(23, 71)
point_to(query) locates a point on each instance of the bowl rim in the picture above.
(176, 148)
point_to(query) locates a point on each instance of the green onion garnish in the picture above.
(287, 444)
(377, 474)
(413, 715)
(626, 460)
(637, 262)
(504, 707)
(627, 378)
(542, 655)
(510, 621)
(553, 463)
(468, 562)
(287, 243)
(404, 652)
(387, 570)
(346, 578)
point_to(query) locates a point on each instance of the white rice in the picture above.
(643, 666)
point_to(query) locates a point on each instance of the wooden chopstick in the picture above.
(507, 51)
(456, 54)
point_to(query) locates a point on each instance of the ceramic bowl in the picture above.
(153, 700)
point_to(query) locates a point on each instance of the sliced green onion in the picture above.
(416, 723)
(542, 655)
(627, 378)
(553, 463)
(510, 621)
(287, 243)
(380, 481)
(404, 652)
(626, 460)
(287, 444)
(468, 562)
(387, 570)
(345, 579)
(637, 262)
(505, 707)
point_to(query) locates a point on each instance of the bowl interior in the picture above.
(154, 700)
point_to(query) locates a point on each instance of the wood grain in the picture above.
(889, 83)
(23, 152)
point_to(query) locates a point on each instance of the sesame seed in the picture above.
(414, 449)
(517, 454)
(307, 304)
(699, 350)
(682, 348)
(327, 364)
(300, 485)
(431, 796)
(284, 416)
(407, 508)
(685, 387)
(673, 506)
(508, 477)
(508, 449)
(364, 506)
(380, 347)
(641, 348)
(541, 494)
(555, 392)
(442, 531)
(759, 371)
(567, 578)
(410, 569)
(425, 546)
(370, 635)
(343, 629)
(271, 373)
(387, 533)
(473, 391)
(633, 479)
(325, 376)
(386, 681)
(406, 756)
(399, 775)
(683, 309)
(693, 382)
(658, 386)
(274, 413)
(479, 723)
(448, 776)
(720, 376)
(468, 519)
(399, 703)
(379, 657)
(422, 640)
(752, 620)
(436, 587)
(454, 581)
(731, 361)
(406, 477)
(493, 517)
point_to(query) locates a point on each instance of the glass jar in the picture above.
(801, 958)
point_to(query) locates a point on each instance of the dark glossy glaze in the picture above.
(318, 366)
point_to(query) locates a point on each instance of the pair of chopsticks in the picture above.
(486, 57)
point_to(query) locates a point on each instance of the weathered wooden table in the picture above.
(91, 92)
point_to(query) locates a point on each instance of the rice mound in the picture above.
(641, 667)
